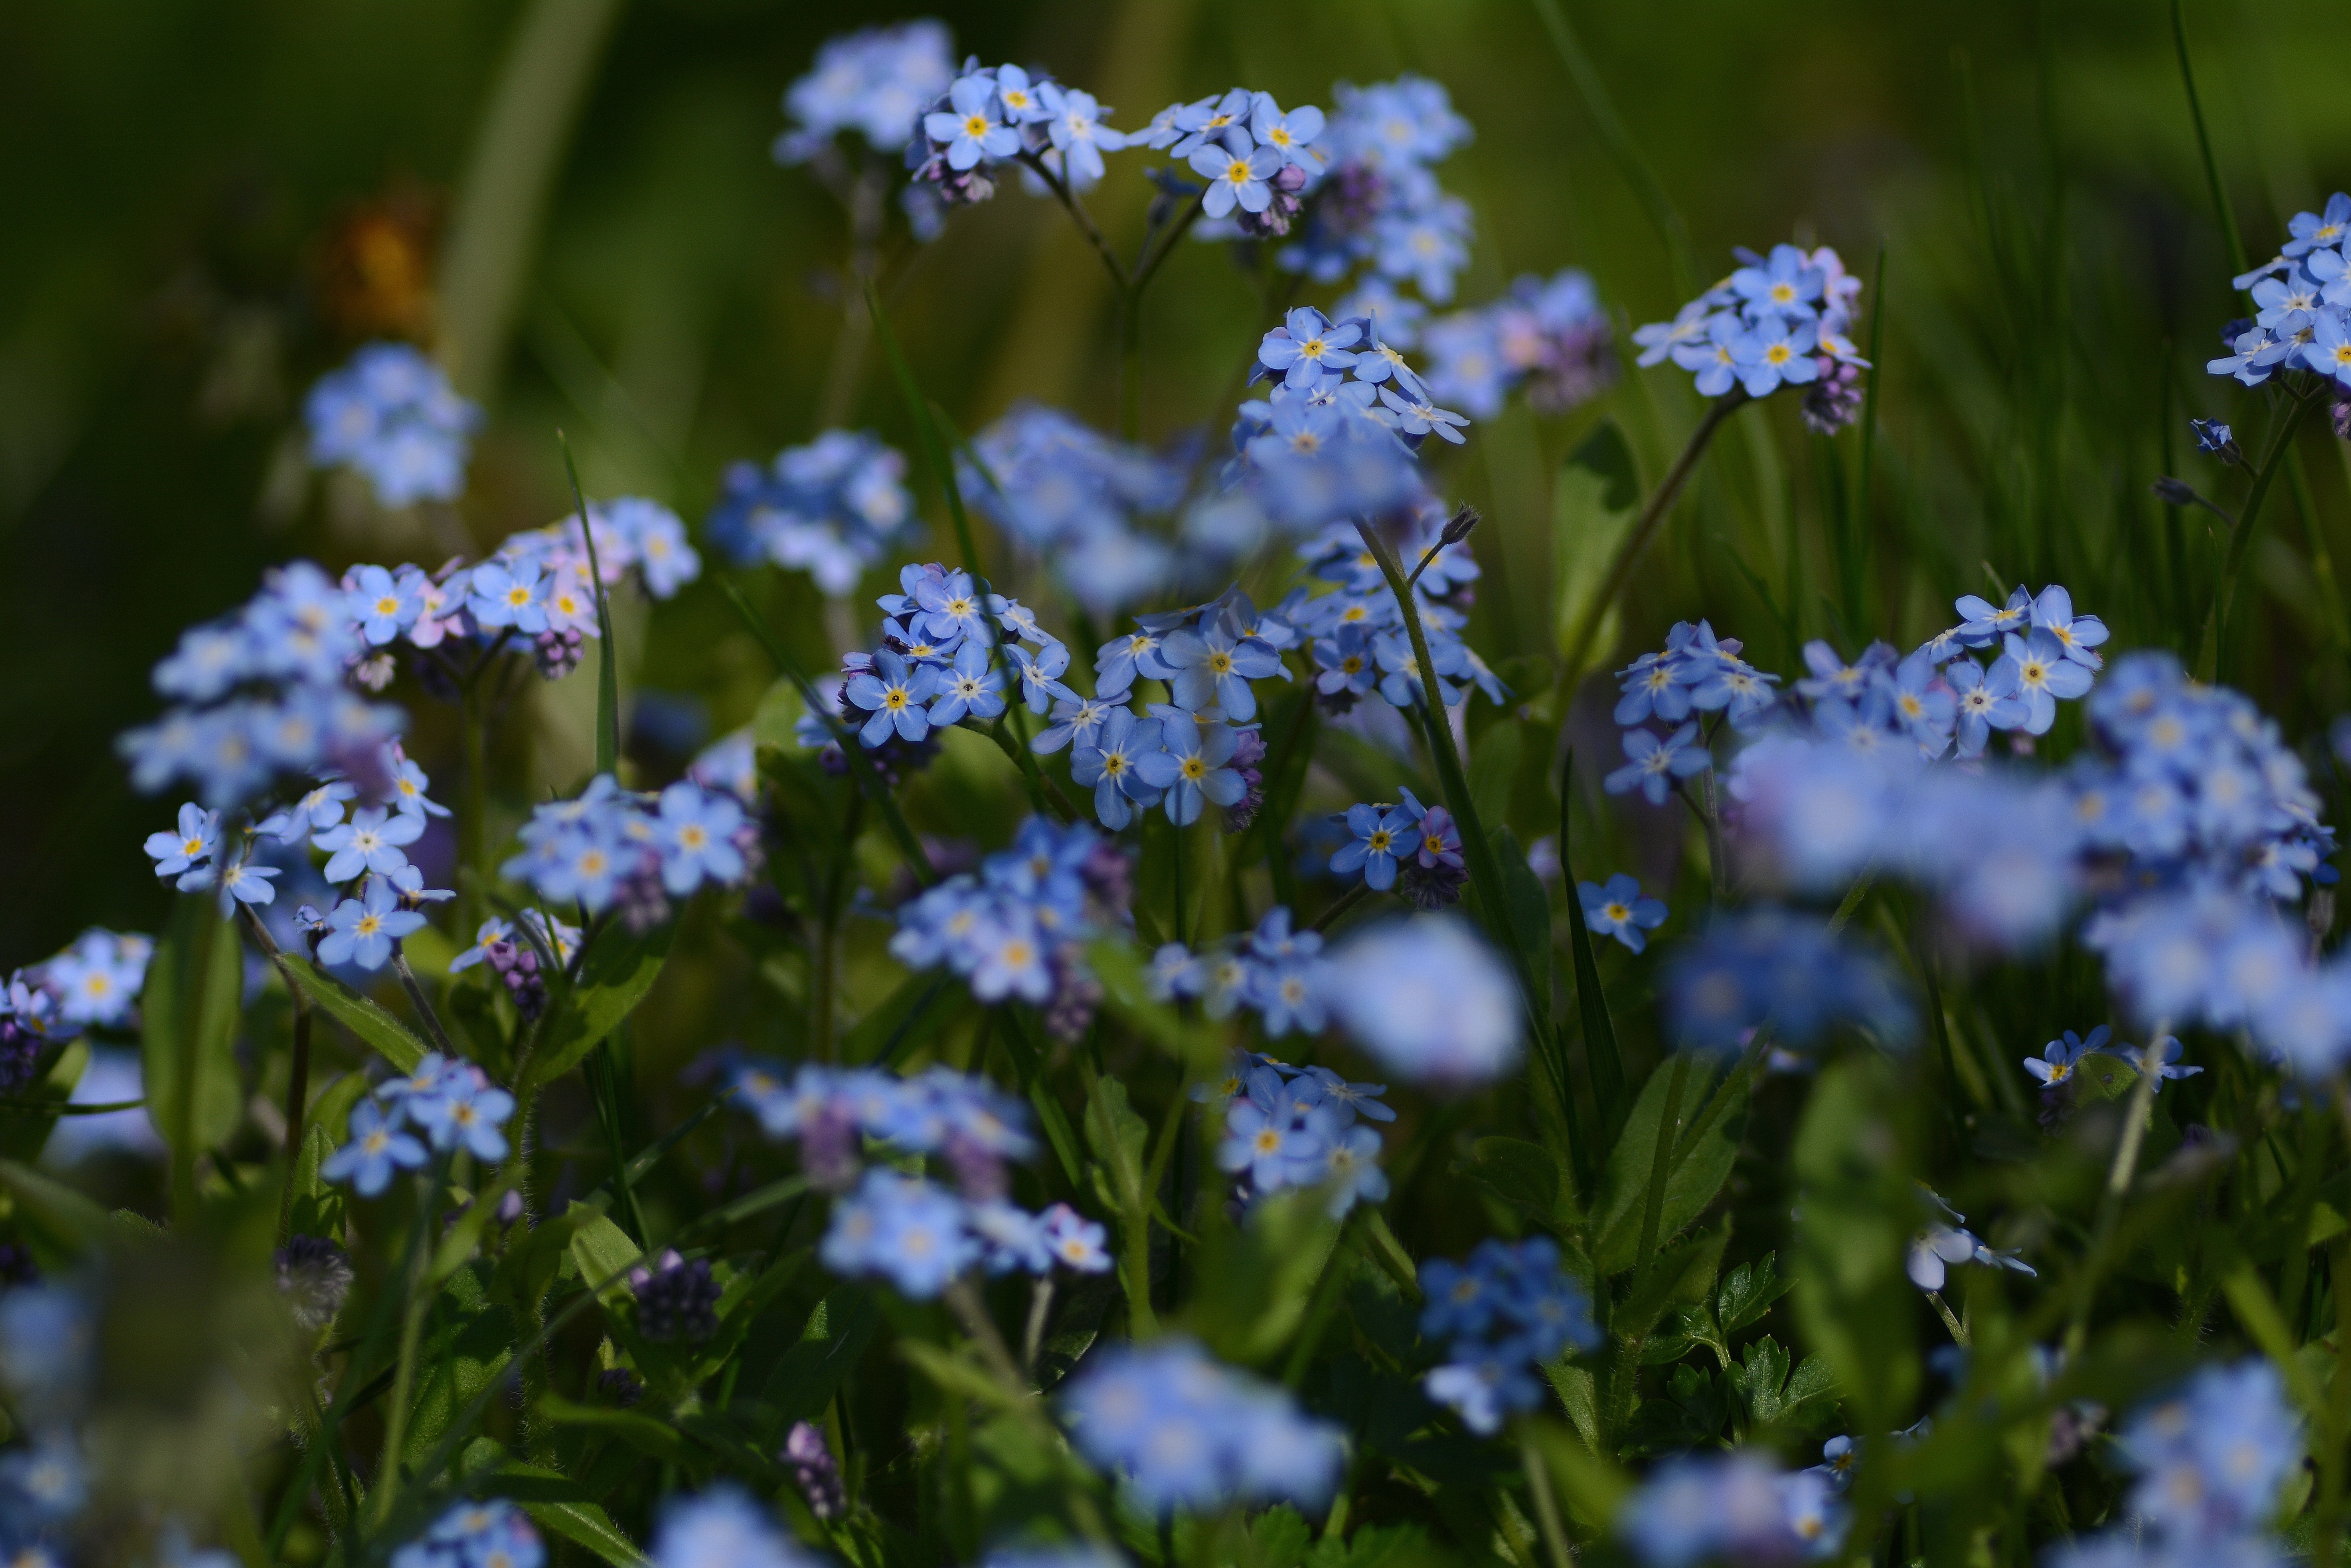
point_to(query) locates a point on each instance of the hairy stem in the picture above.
(422, 1004)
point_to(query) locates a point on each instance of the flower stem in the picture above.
(1554, 1530)
(422, 1004)
(1340, 905)
(412, 1329)
(2110, 1203)
(473, 838)
(2240, 538)
(1578, 647)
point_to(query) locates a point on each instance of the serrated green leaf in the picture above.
(376, 1028)
(1749, 1291)
(1278, 1538)
(1759, 1376)
(1688, 1190)
(615, 976)
(1809, 1396)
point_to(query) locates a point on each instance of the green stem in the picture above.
(1175, 850)
(1554, 1531)
(2221, 208)
(1340, 905)
(1652, 515)
(608, 656)
(1661, 1164)
(422, 1004)
(828, 925)
(473, 832)
(2110, 1203)
(412, 1329)
(2240, 538)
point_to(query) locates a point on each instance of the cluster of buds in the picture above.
(557, 653)
(814, 1471)
(1834, 400)
(676, 1299)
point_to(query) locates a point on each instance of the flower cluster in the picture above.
(1766, 967)
(1738, 1506)
(1072, 496)
(262, 694)
(614, 847)
(2212, 1460)
(831, 508)
(1429, 1001)
(1186, 1431)
(1549, 336)
(2301, 321)
(1412, 848)
(1277, 973)
(389, 414)
(1334, 437)
(513, 949)
(494, 1534)
(873, 81)
(993, 115)
(1016, 928)
(1776, 321)
(1356, 632)
(1378, 203)
(1295, 1126)
(910, 1230)
(448, 1100)
(93, 984)
(1506, 1311)
(1258, 161)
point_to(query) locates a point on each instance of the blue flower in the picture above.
(723, 1527)
(1656, 763)
(383, 608)
(971, 131)
(2212, 436)
(1041, 676)
(465, 1112)
(2212, 1458)
(2328, 351)
(1776, 352)
(372, 841)
(1617, 909)
(508, 594)
(1417, 416)
(1237, 173)
(1190, 767)
(1788, 285)
(696, 833)
(894, 694)
(195, 840)
(1428, 999)
(2058, 1058)
(1074, 123)
(1985, 702)
(1291, 134)
(1660, 339)
(1213, 666)
(362, 930)
(487, 1534)
(1268, 1140)
(1307, 345)
(2043, 673)
(1186, 1431)
(1655, 684)
(1716, 359)
(1381, 838)
(902, 1229)
(378, 1146)
(2162, 1059)
(971, 686)
(245, 882)
(2253, 353)
(1205, 124)
(1107, 764)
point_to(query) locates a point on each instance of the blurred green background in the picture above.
(574, 201)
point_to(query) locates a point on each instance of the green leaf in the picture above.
(194, 988)
(1119, 1139)
(1526, 909)
(836, 1336)
(908, 1016)
(62, 1225)
(1527, 1176)
(646, 1434)
(1748, 1293)
(580, 1521)
(1809, 1396)
(377, 1028)
(1594, 502)
(1762, 1373)
(1126, 987)
(1853, 1301)
(1256, 1278)
(1075, 1328)
(775, 722)
(1689, 1188)
(1494, 770)
(2099, 1076)
(1278, 1538)
(617, 971)
(955, 1373)
(23, 1134)
(467, 1343)
(603, 1254)
(1684, 1274)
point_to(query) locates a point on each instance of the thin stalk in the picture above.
(1661, 1162)
(1340, 906)
(1040, 1312)
(1176, 842)
(604, 1088)
(1148, 266)
(473, 832)
(1554, 1530)
(608, 656)
(2221, 208)
(422, 1004)
(1950, 1320)
(2110, 1202)
(828, 951)
(1083, 218)
(1647, 189)
(1645, 527)
(412, 1329)
(2216, 622)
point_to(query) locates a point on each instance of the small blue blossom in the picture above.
(1617, 909)
(1658, 761)
(377, 1148)
(362, 930)
(1382, 837)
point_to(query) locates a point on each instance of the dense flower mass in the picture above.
(1780, 320)
(1184, 1431)
(1151, 1086)
(830, 509)
(391, 416)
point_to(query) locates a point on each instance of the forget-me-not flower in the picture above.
(1616, 908)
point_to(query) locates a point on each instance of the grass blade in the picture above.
(607, 675)
(1600, 1055)
(2221, 208)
